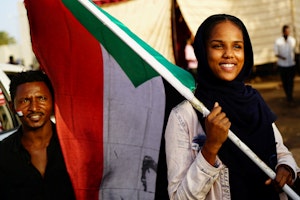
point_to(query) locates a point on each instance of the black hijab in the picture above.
(251, 119)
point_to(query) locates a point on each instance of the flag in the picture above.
(109, 99)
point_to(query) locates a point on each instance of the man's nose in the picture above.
(34, 105)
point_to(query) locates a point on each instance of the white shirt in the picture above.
(285, 48)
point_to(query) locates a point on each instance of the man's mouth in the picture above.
(35, 116)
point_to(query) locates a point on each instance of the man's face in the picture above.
(34, 100)
(286, 32)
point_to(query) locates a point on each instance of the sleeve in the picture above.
(284, 156)
(188, 177)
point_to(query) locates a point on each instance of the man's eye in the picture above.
(43, 98)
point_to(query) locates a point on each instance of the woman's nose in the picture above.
(228, 53)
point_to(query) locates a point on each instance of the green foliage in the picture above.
(6, 39)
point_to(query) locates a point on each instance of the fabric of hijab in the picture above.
(251, 119)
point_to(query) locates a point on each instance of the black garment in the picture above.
(287, 75)
(19, 179)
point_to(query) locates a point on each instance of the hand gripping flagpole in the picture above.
(183, 90)
(201, 108)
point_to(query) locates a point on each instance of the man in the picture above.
(12, 60)
(285, 52)
(31, 161)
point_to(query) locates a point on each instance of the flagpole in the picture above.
(183, 90)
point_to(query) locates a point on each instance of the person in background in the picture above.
(284, 49)
(12, 60)
(31, 161)
(190, 57)
(202, 162)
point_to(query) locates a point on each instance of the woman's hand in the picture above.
(284, 175)
(216, 127)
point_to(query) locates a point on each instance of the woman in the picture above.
(202, 162)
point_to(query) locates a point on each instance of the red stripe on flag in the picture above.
(72, 59)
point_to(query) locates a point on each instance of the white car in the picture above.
(8, 120)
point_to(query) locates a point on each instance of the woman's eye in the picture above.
(217, 46)
(238, 45)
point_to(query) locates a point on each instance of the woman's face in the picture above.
(225, 51)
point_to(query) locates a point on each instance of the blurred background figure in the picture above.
(190, 57)
(285, 52)
(12, 60)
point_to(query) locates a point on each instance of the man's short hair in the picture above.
(285, 27)
(27, 77)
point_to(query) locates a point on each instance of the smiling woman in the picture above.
(214, 167)
(225, 50)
